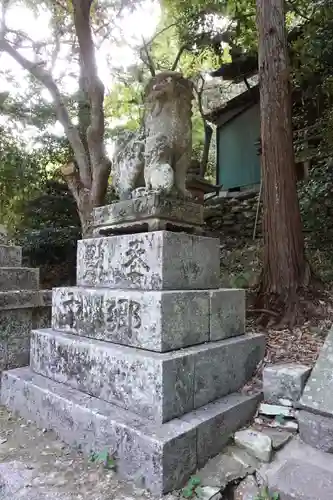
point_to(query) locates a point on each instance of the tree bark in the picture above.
(88, 179)
(285, 268)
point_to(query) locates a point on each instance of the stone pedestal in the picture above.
(145, 356)
(22, 307)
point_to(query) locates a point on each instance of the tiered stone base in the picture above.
(158, 457)
(146, 355)
(22, 307)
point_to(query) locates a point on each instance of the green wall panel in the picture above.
(238, 162)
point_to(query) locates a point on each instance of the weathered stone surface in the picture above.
(150, 210)
(10, 256)
(19, 299)
(221, 470)
(227, 313)
(159, 154)
(153, 320)
(149, 261)
(274, 410)
(319, 388)
(316, 430)
(278, 437)
(15, 329)
(159, 386)
(18, 278)
(256, 443)
(247, 490)
(161, 457)
(3, 235)
(302, 481)
(284, 381)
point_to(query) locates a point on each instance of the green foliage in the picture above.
(104, 458)
(48, 232)
(266, 495)
(192, 488)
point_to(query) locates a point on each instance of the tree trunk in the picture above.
(285, 268)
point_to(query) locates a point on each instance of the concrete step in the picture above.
(300, 472)
(18, 278)
(159, 386)
(155, 320)
(159, 457)
(10, 256)
(159, 260)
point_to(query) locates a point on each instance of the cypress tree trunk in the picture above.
(285, 269)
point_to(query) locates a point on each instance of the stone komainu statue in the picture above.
(158, 156)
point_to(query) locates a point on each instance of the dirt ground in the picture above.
(35, 465)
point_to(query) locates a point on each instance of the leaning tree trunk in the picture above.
(285, 268)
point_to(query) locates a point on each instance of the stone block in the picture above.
(154, 320)
(18, 278)
(158, 260)
(153, 211)
(23, 299)
(298, 480)
(10, 256)
(318, 391)
(284, 381)
(15, 330)
(227, 313)
(159, 386)
(316, 430)
(160, 458)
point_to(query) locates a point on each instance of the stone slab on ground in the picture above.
(18, 278)
(160, 457)
(300, 472)
(302, 481)
(154, 320)
(316, 430)
(256, 443)
(159, 260)
(10, 256)
(318, 391)
(284, 381)
(159, 386)
(278, 437)
(223, 469)
(247, 490)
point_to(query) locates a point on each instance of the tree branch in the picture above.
(46, 79)
(100, 164)
(180, 52)
(149, 60)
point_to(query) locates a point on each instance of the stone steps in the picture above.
(18, 278)
(154, 320)
(10, 256)
(159, 386)
(158, 457)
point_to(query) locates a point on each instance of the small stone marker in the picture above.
(284, 381)
(255, 443)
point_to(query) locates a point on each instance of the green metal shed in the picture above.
(237, 134)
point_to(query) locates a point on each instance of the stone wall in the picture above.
(234, 216)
